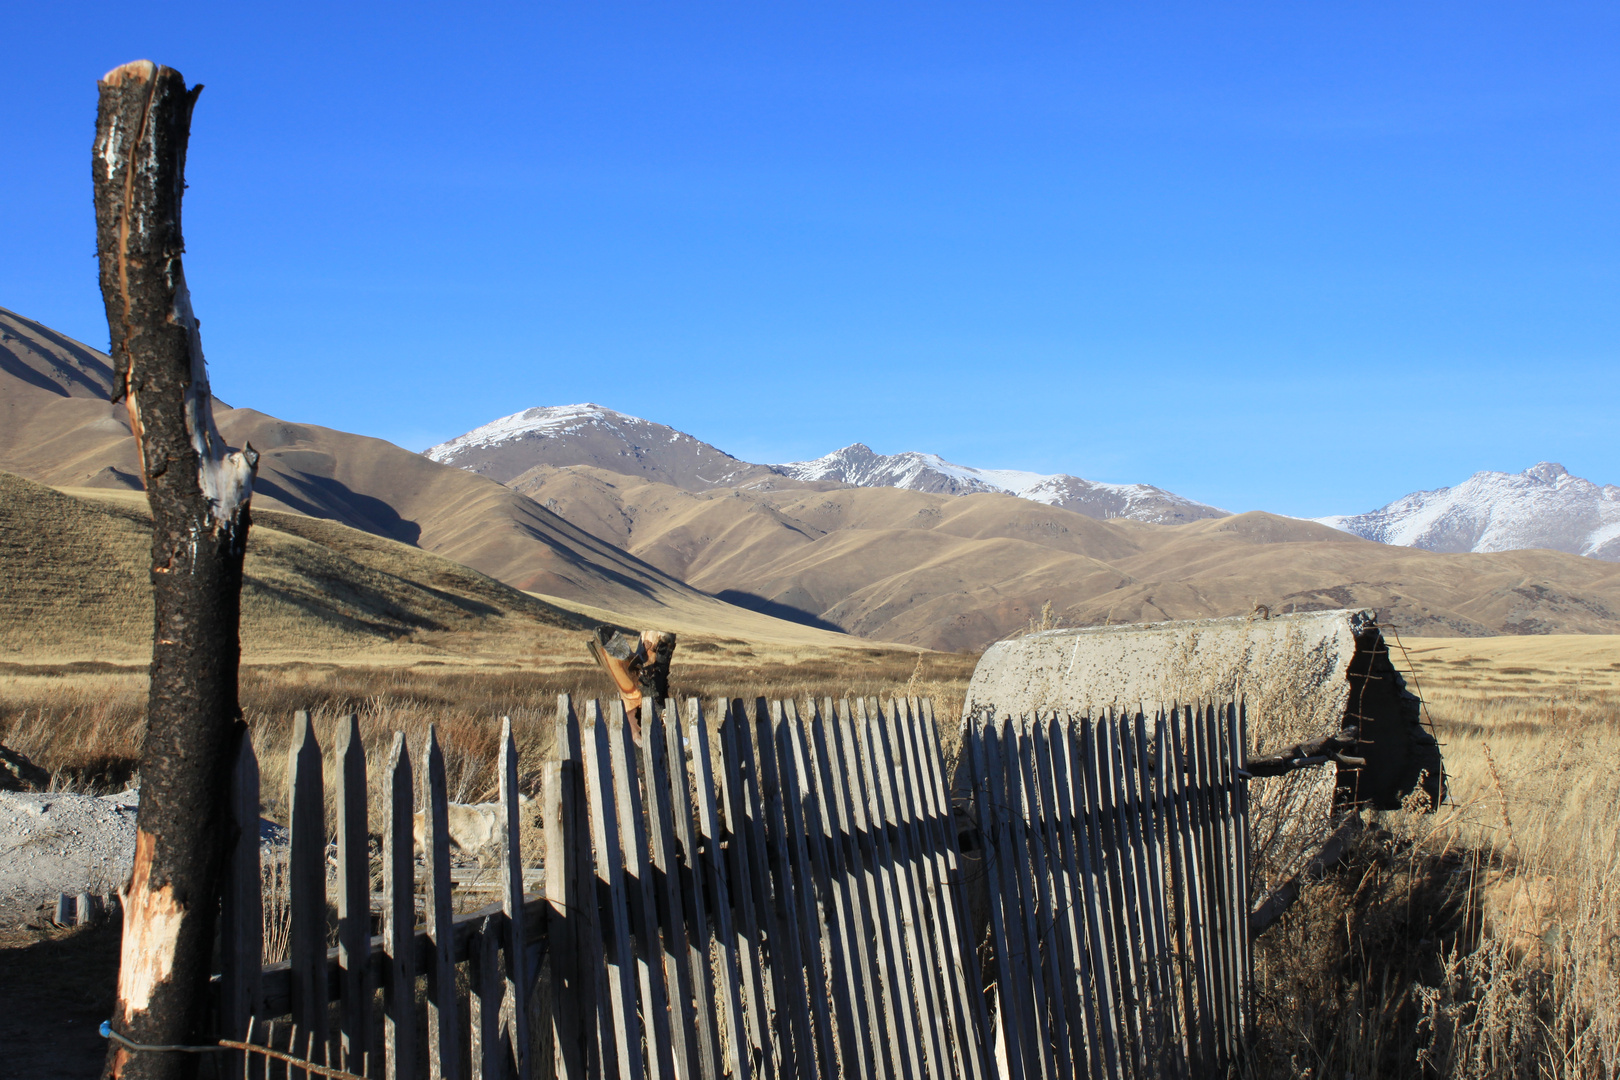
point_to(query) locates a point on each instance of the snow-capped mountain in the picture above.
(589, 434)
(593, 435)
(861, 466)
(1542, 507)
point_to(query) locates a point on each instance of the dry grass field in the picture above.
(1479, 941)
(83, 720)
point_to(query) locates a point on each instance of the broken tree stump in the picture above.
(638, 664)
(199, 491)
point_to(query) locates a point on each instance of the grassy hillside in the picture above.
(950, 572)
(888, 565)
(74, 585)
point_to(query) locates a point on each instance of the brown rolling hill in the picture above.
(58, 427)
(959, 571)
(784, 562)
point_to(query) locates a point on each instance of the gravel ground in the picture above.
(64, 843)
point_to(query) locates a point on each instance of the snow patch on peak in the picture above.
(1545, 506)
(1548, 472)
(858, 464)
(544, 421)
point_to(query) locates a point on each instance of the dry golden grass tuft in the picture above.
(1480, 941)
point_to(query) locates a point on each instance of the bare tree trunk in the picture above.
(199, 494)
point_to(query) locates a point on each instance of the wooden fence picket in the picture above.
(896, 942)
(835, 880)
(1083, 927)
(575, 943)
(1056, 925)
(306, 878)
(1013, 1015)
(515, 969)
(909, 782)
(1140, 825)
(859, 1004)
(639, 894)
(893, 1049)
(485, 992)
(1238, 743)
(621, 1037)
(963, 957)
(747, 870)
(777, 887)
(898, 812)
(444, 1048)
(354, 897)
(819, 912)
(692, 864)
(399, 919)
(1185, 775)
(671, 894)
(736, 982)
(805, 916)
(241, 915)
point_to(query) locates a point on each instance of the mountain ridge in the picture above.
(1545, 506)
(890, 564)
(912, 470)
(591, 434)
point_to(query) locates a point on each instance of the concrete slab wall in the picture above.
(1300, 677)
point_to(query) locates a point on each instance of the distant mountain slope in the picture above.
(858, 464)
(1542, 507)
(592, 435)
(954, 572)
(891, 564)
(58, 427)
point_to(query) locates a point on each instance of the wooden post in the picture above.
(241, 930)
(306, 880)
(514, 972)
(574, 940)
(399, 927)
(354, 895)
(444, 1047)
(199, 494)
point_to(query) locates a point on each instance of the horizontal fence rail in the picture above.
(1116, 866)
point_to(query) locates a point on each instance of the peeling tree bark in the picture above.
(199, 492)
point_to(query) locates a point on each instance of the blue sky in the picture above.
(1294, 257)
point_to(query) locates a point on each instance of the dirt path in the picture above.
(56, 987)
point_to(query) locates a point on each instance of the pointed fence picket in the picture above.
(803, 906)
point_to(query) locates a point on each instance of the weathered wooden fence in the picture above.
(772, 890)
(785, 902)
(329, 993)
(1115, 848)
